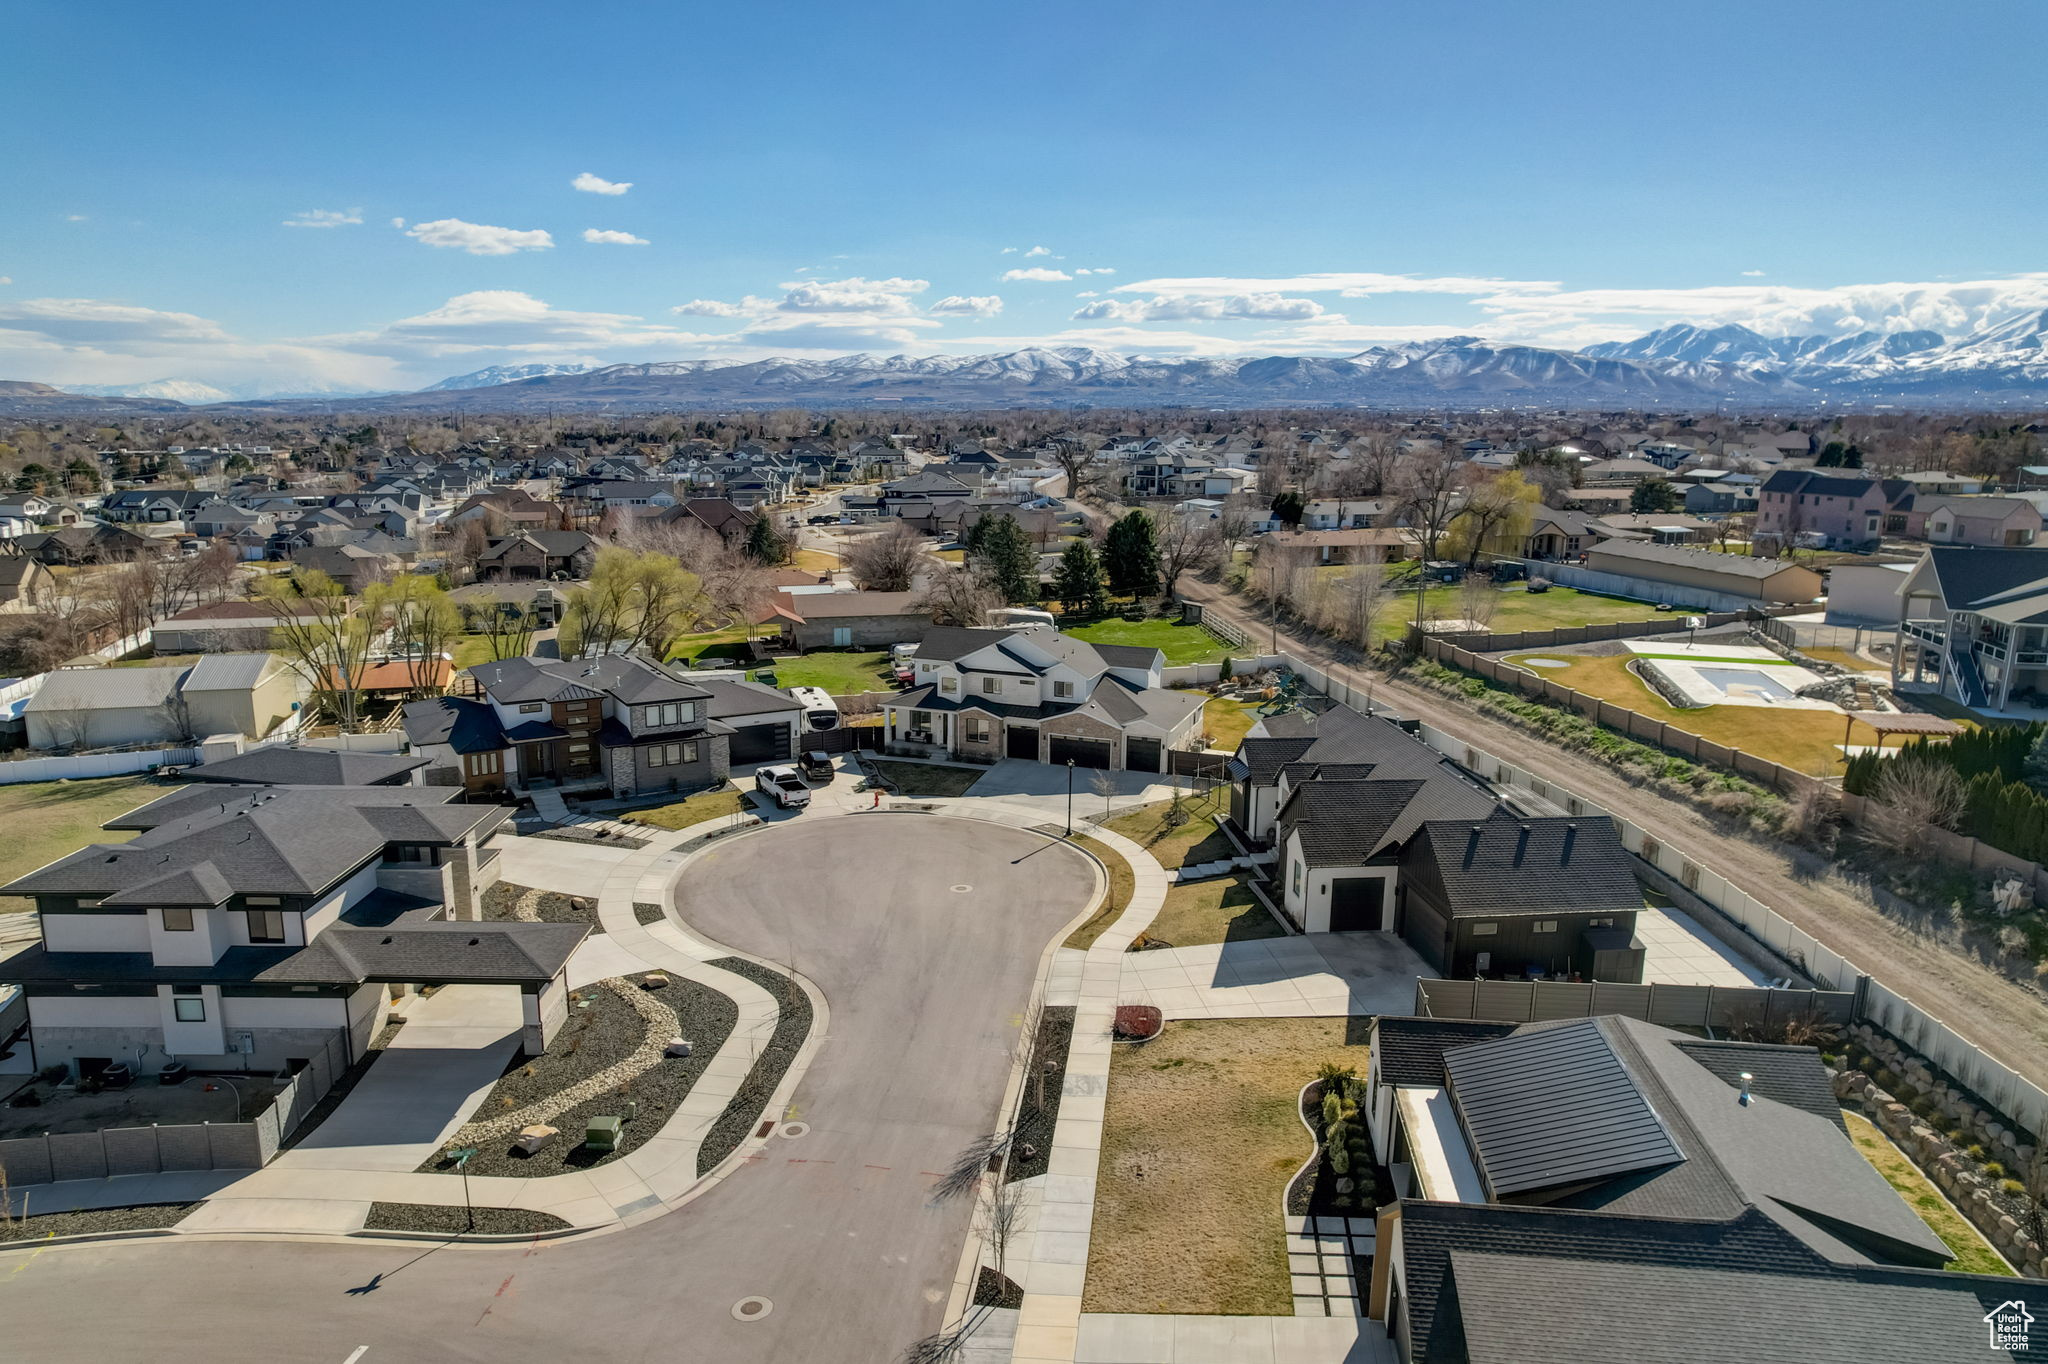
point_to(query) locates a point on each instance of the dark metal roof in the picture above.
(1410, 1051)
(1548, 1108)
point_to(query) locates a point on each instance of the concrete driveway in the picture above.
(555, 863)
(1317, 975)
(924, 984)
(1044, 787)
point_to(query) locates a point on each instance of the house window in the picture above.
(177, 920)
(531, 708)
(1297, 878)
(977, 730)
(991, 685)
(673, 713)
(187, 1004)
(672, 755)
(1485, 930)
(842, 634)
(406, 852)
(1546, 925)
(266, 925)
(1062, 689)
(949, 685)
(1600, 923)
(483, 764)
(579, 748)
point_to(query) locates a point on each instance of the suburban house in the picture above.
(714, 514)
(283, 765)
(246, 694)
(252, 929)
(1549, 1175)
(1843, 510)
(1040, 695)
(1347, 513)
(1374, 831)
(98, 543)
(1364, 545)
(25, 585)
(1735, 495)
(158, 506)
(1866, 594)
(1990, 522)
(1975, 622)
(621, 724)
(1555, 534)
(224, 626)
(1767, 581)
(513, 507)
(848, 620)
(537, 556)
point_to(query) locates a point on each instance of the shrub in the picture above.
(1333, 1108)
(1340, 1160)
(1993, 1170)
(1974, 1151)
(1886, 1081)
(2012, 1188)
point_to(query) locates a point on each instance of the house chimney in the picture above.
(1571, 836)
(1521, 843)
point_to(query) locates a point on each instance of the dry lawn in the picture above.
(1198, 1144)
(1228, 720)
(1221, 910)
(1804, 740)
(705, 805)
(47, 819)
(1196, 841)
(1121, 884)
(1974, 1254)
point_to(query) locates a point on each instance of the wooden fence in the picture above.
(1634, 724)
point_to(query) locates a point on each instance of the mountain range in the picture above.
(2005, 365)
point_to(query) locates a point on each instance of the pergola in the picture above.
(1889, 722)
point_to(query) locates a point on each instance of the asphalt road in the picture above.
(925, 984)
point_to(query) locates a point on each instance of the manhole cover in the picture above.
(962, 890)
(751, 1309)
(793, 1130)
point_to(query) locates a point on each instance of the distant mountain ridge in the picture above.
(1675, 366)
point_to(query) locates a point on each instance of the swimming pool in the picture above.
(1745, 681)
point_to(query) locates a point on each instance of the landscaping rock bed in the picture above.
(1038, 1110)
(569, 833)
(644, 913)
(505, 902)
(792, 1025)
(609, 1032)
(95, 1221)
(1314, 1191)
(444, 1220)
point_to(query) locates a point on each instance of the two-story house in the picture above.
(621, 724)
(1037, 694)
(251, 928)
(1845, 510)
(1974, 625)
(537, 556)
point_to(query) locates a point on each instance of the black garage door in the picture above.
(1358, 904)
(1021, 743)
(760, 744)
(1080, 752)
(1141, 755)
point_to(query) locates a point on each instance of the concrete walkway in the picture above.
(1320, 975)
(1130, 1338)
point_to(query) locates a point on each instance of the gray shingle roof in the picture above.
(464, 725)
(1972, 578)
(737, 697)
(1793, 1076)
(1705, 561)
(630, 679)
(280, 765)
(1505, 864)
(1410, 1051)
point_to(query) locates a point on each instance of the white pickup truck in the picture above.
(783, 786)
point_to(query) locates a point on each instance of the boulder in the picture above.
(531, 1139)
(654, 980)
(676, 1046)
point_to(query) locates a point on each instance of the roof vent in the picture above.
(474, 942)
(1746, 1078)
(387, 940)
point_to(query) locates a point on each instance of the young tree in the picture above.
(887, 561)
(1078, 582)
(323, 637)
(1363, 590)
(423, 623)
(1911, 796)
(1130, 556)
(1653, 495)
(1007, 557)
(640, 600)
(507, 628)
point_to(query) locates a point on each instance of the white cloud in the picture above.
(398, 222)
(591, 184)
(1350, 284)
(1132, 340)
(510, 322)
(599, 237)
(959, 305)
(75, 218)
(1088, 293)
(326, 217)
(1009, 251)
(1098, 270)
(709, 307)
(1753, 274)
(6, 279)
(1037, 274)
(478, 239)
(839, 332)
(856, 295)
(1951, 308)
(1274, 307)
(1038, 251)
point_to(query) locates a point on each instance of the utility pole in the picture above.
(1273, 605)
(1070, 798)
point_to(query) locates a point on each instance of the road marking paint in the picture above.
(360, 1351)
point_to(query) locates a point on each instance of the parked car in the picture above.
(815, 765)
(819, 520)
(783, 786)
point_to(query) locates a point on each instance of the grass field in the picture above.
(1121, 884)
(1973, 1254)
(1197, 840)
(814, 561)
(1181, 643)
(927, 780)
(720, 804)
(1518, 609)
(157, 661)
(838, 673)
(1845, 658)
(1198, 1141)
(1221, 910)
(1228, 720)
(726, 643)
(1804, 740)
(47, 819)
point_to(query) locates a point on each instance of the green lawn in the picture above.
(1974, 1255)
(1180, 642)
(1517, 609)
(837, 672)
(47, 819)
(156, 661)
(1221, 910)
(727, 643)
(1228, 720)
(927, 780)
(1198, 840)
(723, 803)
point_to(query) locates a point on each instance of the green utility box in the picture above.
(602, 1134)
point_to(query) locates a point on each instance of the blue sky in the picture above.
(814, 179)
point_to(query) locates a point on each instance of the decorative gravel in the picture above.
(145, 1217)
(579, 1077)
(645, 913)
(572, 834)
(1036, 1121)
(507, 903)
(444, 1220)
(792, 1025)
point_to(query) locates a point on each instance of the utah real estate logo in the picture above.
(2008, 1323)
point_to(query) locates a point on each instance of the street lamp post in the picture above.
(1070, 798)
(461, 1155)
(1273, 605)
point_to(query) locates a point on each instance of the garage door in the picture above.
(1141, 755)
(760, 744)
(1080, 752)
(1021, 742)
(1358, 904)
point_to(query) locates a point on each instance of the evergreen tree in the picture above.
(1004, 552)
(1288, 505)
(1131, 556)
(764, 543)
(1653, 495)
(1078, 582)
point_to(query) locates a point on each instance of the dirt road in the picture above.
(2006, 1020)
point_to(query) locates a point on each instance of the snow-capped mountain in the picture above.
(177, 390)
(503, 374)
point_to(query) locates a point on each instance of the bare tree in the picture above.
(1186, 545)
(1080, 466)
(1478, 599)
(960, 596)
(1911, 796)
(1363, 590)
(1429, 489)
(888, 561)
